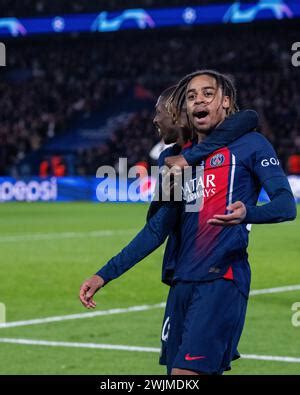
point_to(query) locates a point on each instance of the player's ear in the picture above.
(226, 102)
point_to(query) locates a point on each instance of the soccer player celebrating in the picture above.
(207, 302)
(210, 281)
(159, 224)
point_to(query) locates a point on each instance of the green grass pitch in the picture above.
(40, 277)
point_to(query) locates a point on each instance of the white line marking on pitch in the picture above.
(78, 345)
(126, 310)
(275, 290)
(64, 235)
(82, 315)
(129, 348)
(270, 358)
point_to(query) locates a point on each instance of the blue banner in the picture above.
(68, 189)
(151, 18)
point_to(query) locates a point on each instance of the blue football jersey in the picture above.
(232, 173)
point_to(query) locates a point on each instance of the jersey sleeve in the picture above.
(229, 130)
(147, 240)
(265, 163)
(267, 169)
(282, 206)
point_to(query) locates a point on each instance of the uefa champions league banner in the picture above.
(139, 18)
(68, 189)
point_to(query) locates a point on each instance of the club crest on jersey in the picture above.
(217, 160)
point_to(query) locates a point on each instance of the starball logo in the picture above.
(2, 54)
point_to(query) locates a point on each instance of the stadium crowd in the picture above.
(43, 91)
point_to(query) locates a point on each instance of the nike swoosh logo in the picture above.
(189, 358)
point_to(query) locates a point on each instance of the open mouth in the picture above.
(200, 114)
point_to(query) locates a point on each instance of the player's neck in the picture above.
(183, 136)
(201, 137)
(181, 141)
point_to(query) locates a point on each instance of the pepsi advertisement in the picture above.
(68, 189)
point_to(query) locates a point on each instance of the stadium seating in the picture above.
(45, 92)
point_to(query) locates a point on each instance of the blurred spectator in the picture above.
(53, 166)
(294, 164)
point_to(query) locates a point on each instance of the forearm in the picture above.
(141, 246)
(147, 240)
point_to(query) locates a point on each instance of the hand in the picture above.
(171, 179)
(238, 214)
(88, 290)
(177, 160)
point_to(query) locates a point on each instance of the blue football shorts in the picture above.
(202, 326)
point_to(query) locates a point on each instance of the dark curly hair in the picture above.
(176, 100)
